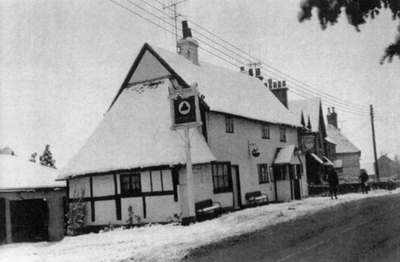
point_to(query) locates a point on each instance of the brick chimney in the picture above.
(332, 117)
(280, 91)
(187, 46)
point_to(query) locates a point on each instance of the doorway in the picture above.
(296, 188)
(29, 220)
(237, 195)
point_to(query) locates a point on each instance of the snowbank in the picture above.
(169, 242)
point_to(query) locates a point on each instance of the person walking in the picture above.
(363, 180)
(333, 182)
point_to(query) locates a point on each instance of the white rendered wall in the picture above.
(233, 147)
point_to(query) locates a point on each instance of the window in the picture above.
(229, 124)
(130, 183)
(265, 132)
(263, 174)
(280, 173)
(282, 133)
(221, 177)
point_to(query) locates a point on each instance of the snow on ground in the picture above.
(169, 242)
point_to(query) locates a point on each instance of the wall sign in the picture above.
(308, 142)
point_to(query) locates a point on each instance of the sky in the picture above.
(62, 62)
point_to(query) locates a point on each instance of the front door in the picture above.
(237, 195)
(296, 188)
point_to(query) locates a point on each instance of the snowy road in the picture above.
(365, 230)
(310, 229)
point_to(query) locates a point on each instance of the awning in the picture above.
(327, 162)
(330, 140)
(319, 160)
(286, 155)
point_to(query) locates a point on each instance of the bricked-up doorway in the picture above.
(29, 220)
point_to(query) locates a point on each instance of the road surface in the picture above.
(364, 230)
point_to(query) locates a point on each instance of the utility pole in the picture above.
(371, 108)
(174, 16)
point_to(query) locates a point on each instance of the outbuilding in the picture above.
(31, 201)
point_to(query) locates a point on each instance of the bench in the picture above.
(256, 198)
(207, 209)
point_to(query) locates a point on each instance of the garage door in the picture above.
(29, 220)
(2, 220)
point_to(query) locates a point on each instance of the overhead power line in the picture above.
(272, 70)
(295, 89)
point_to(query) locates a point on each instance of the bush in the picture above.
(76, 216)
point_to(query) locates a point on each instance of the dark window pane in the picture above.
(282, 133)
(136, 185)
(229, 128)
(221, 177)
(125, 184)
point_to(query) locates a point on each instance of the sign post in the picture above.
(185, 115)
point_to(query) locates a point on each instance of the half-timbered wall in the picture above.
(162, 196)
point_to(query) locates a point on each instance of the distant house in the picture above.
(347, 155)
(31, 201)
(388, 168)
(134, 159)
(314, 140)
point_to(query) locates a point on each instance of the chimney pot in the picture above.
(185, 28)
(332, 117)
(270, 83)
(251, 72)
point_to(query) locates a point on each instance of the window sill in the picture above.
(220, 191)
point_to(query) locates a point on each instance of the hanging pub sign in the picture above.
(184, 106)
(307, 142)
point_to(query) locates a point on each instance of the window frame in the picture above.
(226, 187)
(282, 134)
(134, 187)
(229, 124)
(263, 173)
(265, 131)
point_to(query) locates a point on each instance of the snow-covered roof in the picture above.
(343, 145)
(19, 174)
(136, 133)
(228, 91)
(310, 108)
(286, 156)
